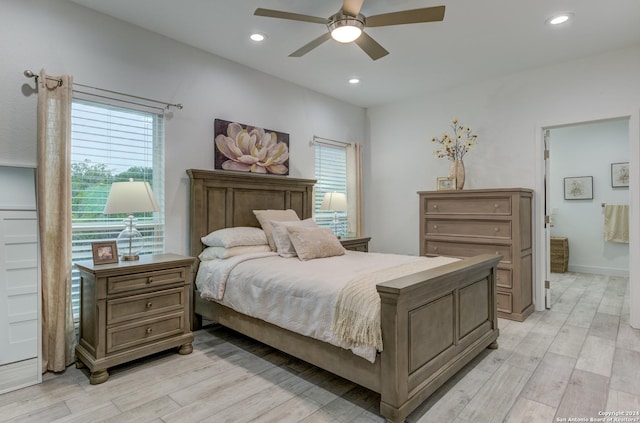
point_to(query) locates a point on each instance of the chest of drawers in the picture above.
(493, 221)
(132, 309)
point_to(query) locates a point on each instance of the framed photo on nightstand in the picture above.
(104, 252)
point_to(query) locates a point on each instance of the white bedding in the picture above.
(297, 295)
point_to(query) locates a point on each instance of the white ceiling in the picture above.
(478, 40)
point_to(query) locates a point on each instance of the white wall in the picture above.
(508, 114)
(589, 150)
(97, 50)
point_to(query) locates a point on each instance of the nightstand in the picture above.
(356, 244)
(132, 309)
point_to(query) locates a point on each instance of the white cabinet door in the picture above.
(18, 286)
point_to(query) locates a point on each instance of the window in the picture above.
(331, 176)
(110, 144)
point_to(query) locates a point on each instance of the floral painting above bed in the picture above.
(246, 148)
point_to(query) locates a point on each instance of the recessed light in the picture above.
(258, 37)
(559, 19)
(354, 81)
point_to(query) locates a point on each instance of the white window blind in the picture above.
(331, 176)
(111, 144)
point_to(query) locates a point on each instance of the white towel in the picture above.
(616, 223)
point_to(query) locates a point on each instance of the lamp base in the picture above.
(133, 257)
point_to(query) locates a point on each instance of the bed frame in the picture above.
(433, 322)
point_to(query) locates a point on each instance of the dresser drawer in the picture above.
(504, 278)
(460, 249)
(122, 337)
(504, 302)
(135, 281)
(145, 305)
(477, 228)
(469, 205)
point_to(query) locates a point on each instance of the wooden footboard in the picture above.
(433, 323)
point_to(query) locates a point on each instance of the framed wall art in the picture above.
(245, 148)
(104, 252)
(620, 175)
(445, 184)
(578, 188)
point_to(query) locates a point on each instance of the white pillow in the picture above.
(234, 237)
(212, 253)
(281, 238)
(265, 217)
(312, 243)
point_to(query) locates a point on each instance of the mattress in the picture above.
(299, 295)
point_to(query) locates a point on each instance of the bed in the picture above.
(433, 322)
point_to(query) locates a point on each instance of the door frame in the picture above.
(541, 248)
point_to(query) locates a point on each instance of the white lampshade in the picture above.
(131, 197)
(334, 201)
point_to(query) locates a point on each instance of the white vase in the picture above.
(456, 170)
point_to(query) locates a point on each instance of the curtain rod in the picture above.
(30, 74)
(328, 141)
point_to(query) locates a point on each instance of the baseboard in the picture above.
(607, 271)
(19, 375)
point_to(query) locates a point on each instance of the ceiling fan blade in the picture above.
(427, 14)
(310, 46)
(371, 46)
(352, 7)
(291, 16)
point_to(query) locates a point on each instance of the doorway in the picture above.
(631, 121)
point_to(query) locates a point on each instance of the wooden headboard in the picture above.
(220, 199)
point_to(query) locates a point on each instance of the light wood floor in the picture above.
(577, 360)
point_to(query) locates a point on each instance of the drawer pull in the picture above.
(150, 280)
(435, 206)
(149, 304)
(497, 253)
(149, 330)
(496, 229)
(435, 226)
(435, 248)
(497, 206)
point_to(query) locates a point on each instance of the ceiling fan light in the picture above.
(345, 28)
(346, 34)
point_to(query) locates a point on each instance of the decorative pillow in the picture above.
(312, 243)
(265, 217)
(234, 237)
(212, 253)
(281, 235)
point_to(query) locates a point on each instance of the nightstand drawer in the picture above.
(460, 249)
(145, 305)
(476, 228)
(469, 205)
(135, 281)
(123, 337)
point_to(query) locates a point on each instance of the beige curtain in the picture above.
(354, 188)
(54, 216)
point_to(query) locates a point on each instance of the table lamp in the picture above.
(130, 197)
(334, 201)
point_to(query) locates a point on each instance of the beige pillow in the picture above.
(266, 216)
(281, 235)
(212, 253)
(234, 237)
(312, 243)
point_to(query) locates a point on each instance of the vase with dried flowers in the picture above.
(454, 148)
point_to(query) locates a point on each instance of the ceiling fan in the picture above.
(347, 25)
